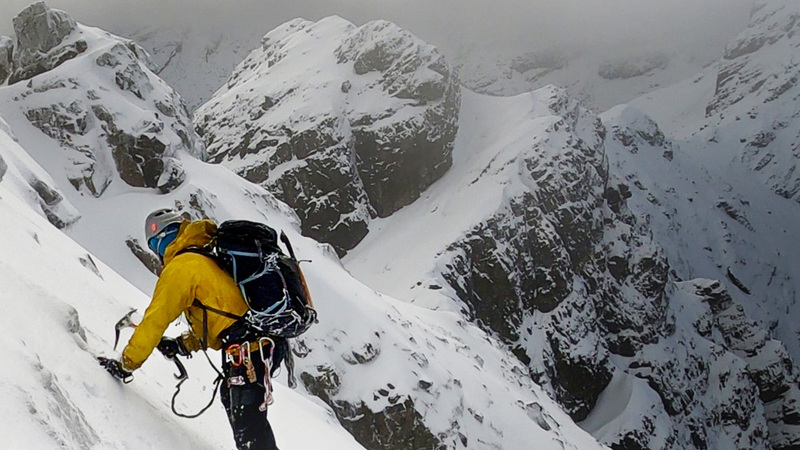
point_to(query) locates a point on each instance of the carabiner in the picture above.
(261, 346)
(238, 359)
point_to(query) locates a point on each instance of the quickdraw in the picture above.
(267, 360)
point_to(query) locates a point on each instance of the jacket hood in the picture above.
(191, 234)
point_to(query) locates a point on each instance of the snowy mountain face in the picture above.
(101, 143)
(760, 70)
(555, 258)
(552, 258)
(343, 123)
(405, 376)
(714, 225)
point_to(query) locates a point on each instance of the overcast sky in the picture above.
(607, 25)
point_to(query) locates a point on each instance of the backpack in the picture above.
(271, 282)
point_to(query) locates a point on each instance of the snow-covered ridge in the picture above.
(343, 123)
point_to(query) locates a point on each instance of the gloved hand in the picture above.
(114, 367)
(170, 347)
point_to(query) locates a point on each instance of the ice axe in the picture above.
(127, 322)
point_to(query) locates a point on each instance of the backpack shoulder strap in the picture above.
(206, 309)
(198, 250)
(227, 314)
(288, 244)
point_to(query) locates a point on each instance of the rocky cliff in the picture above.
(753, 108)
(566, 263)
(343, 123)
(107, 114)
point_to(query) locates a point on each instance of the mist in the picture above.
(614, 27)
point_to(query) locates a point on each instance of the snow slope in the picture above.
(489, 128)
(60, 304)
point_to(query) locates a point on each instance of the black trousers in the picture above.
(242, 399)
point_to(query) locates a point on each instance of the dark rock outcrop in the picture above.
(399, 425)
(45, 40)
(6, 52)
(3, 168)
(768, 364)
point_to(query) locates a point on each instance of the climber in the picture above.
(194, 284)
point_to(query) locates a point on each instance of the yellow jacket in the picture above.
(186, 277)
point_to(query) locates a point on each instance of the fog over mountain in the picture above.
(696, 27)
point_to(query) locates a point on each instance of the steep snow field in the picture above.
(60, 306)
(55, 296)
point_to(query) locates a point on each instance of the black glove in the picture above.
(170, 347)
(113, 367)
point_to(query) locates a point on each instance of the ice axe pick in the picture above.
(125, 322)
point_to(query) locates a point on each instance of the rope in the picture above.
(217, 383)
